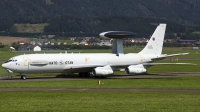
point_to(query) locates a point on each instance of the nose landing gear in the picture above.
(23, 76)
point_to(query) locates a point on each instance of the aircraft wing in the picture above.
(153, 64)
(166, 56)
(81, 67)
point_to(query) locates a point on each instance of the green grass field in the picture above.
(144, 83)
(99, 101)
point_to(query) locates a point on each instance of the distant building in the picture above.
(83, 43)
(195, 48)
(29, 48)
(63, 43)
(22, 48)
(32, 42)
(48, 36)
(169, 40)
(37, 48)
(51, 36)
(21, 42)
(197, 43)
(38, 43)
(140, 40)
(188, 42)
(75, 43)
(72, 38)
(104, 43)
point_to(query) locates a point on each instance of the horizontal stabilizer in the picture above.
(166, 56)
(179, 54)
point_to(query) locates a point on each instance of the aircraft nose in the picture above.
(3, 65)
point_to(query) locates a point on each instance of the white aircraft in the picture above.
(100, 64)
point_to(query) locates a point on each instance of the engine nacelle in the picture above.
(135, 69)
(99, 71)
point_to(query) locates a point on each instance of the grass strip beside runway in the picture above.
(192, 82)
(98, 101)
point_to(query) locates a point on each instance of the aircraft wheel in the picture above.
(103, 76)
(80, 75)
(96, 76)
(84, 74)
(23, 77)
(87, 74)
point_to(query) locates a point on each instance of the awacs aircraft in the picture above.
(100, 64)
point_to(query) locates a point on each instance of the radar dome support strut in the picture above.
(117, 46)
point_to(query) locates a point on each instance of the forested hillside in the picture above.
(142, 26)
(94, 16)
(183, 11)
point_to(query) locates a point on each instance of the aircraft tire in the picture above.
(96, 76)
(80, 74)
(84, 74)
(87, 74)
(103, 76)
(23, 77)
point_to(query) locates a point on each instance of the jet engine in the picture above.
(135, 69)
(102, 71)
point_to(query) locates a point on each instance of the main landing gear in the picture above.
(23, 76)
(84, 74)
(100, 76)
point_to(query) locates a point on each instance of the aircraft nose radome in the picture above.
(3, 65)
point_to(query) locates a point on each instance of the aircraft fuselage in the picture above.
(41, 63)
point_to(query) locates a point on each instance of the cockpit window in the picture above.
(8, 61)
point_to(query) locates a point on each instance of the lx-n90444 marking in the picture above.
(99, 64)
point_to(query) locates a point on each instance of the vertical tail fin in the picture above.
(155, 44)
